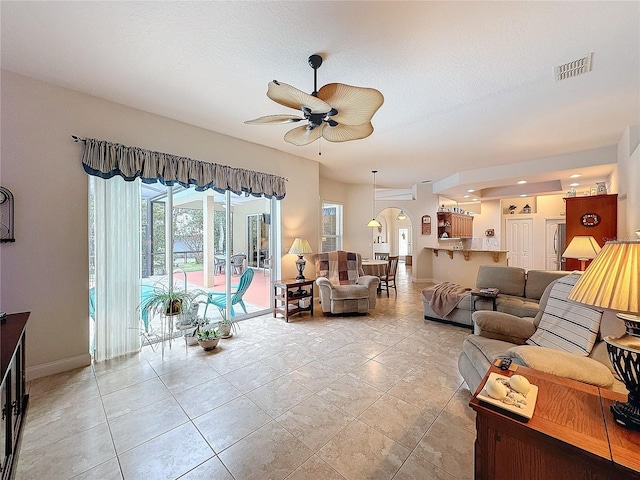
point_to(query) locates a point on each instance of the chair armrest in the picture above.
(563, 364)
(320, 281)
(369, 281)
(503, 326)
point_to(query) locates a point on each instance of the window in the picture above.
(331, 226)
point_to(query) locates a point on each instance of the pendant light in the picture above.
(374, 222)
(401, 216)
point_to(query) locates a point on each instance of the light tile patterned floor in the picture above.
(363, 397)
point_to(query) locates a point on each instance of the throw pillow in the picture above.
(567, 325)
(563, 364)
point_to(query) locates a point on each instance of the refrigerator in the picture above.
(559, 245)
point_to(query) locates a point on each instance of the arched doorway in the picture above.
(395, 236)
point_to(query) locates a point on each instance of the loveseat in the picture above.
(343, 286)
(499, 335)
(520, 293)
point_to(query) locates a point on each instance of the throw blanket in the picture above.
(445, 296)
(340, 267)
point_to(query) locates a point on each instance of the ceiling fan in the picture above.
(337, 112)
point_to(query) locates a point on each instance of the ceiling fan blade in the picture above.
(302, 136)
(293, 98)
(355, 105)
(344, 133)
(274, 120)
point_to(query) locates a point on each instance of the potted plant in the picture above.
(226, 326)
(169, 302)
(208, 338)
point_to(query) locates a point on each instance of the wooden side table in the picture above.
(569, 436)
(292, 296)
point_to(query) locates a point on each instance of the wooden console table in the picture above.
(572, 434)
(292, 296)
(13, 396)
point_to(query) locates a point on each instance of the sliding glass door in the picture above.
(192, 240)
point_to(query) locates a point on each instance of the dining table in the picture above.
(377, 268)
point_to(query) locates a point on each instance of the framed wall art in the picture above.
(426, 225)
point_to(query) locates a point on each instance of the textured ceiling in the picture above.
(468, 86)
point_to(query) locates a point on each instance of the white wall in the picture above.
(627, 180)
(46, 270)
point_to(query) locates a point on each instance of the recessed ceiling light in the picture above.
(475, 199)
(467, 196)
(471, 190)
(522, 182)
(426, 181)
(523, 195)
(574, 184)
(575, 175)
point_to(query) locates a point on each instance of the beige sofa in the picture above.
(520, 293)
(498, 335)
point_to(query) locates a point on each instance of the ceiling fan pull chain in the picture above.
(319, 146)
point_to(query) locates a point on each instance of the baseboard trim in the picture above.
(59, 366)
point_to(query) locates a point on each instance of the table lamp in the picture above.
(612, 281)
(300, 247)
(582, 247)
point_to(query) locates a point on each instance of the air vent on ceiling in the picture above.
(574, 68)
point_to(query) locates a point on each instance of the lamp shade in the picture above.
(374, 223)
(582, 247)
(401, 215)
(300, 246)
(613, 279)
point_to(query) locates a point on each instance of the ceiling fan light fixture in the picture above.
(346, 109)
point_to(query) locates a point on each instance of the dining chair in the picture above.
(389, 279)
(381, 256)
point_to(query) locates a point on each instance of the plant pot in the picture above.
(225, 330)
(208, 344)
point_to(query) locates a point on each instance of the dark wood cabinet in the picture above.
(13, 396)
(595, 215)
(571, 435)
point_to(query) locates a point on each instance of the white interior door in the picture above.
(403, 242)
(519, 242)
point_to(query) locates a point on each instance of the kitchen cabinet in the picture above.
(454, 225)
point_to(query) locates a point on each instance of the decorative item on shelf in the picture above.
(593, 191)
(426, 225)
(582, 247)
(526, 209)
(571, 193)
(611, 281)
(601, 188)
(490, 232)
(374, 222)
(512, 208)
(6, 216)
(300, 247)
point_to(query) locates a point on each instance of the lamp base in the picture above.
(300, 264)
(626, 414)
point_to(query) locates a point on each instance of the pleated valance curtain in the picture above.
(105, 159)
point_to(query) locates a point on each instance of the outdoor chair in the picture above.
(237, 263)
(219, 299)
(389, 279)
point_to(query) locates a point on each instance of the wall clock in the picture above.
(590, 219)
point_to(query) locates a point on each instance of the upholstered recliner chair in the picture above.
(343, 287)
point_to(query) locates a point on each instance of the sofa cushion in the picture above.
(563, 364)
(509, 280)
(566, 325)
(481, 349)
(537, 281)
(518, 306)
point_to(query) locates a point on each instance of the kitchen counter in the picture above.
(467, 252)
